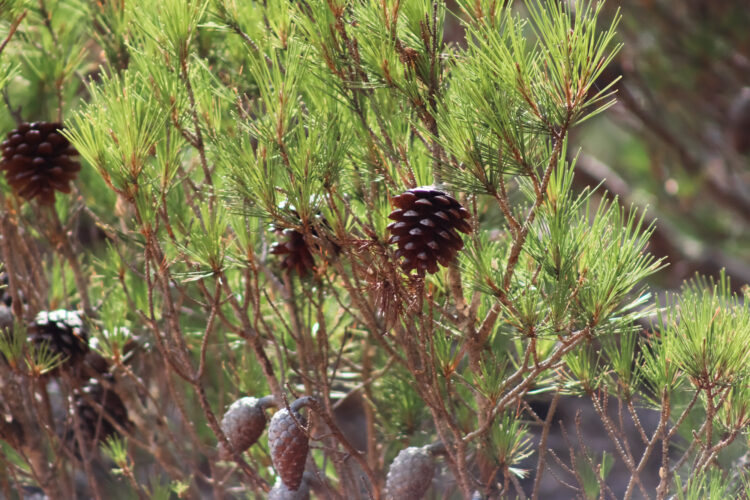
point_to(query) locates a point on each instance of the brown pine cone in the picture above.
(63, 333)
(95, 426)
(243, 423)
(298, 255)
(426, 221)
(289, 445)
(38, 161)
(410, 474)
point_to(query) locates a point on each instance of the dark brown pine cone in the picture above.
(6, 315)
(739, 122)
(289, 445)
(93, 425)
(426, 221)
(11, 431)
(5, 297)
(243, 423)
(63, 333)
(410, 474)
(298, 255)
(38, 161)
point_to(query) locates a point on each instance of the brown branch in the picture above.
(13, 27)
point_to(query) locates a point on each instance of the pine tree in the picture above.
(454, 293)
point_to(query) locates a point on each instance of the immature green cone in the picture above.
(63, 333)
(243, 423)
(410, 474)
(38, 161)
(289, 445)
(426, 221)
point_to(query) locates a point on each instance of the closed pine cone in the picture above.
(38, 160)
(243, 423)
(280, 491)
(426, 221)
(410, 474)
(289, 445)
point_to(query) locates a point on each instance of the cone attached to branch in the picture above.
(297, 250)
(297, 254)
(410, 474)
(62, 332)
(243, 423)
(38, 161)
(425, 228)
(289, 445)
(97, 407)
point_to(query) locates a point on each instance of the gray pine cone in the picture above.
(410, 474)
(243, 423)
(289, 445)
(280, 491)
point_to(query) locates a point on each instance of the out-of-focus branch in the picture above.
(722, 193)
(686, 256)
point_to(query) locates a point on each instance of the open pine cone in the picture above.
(38, 160)
(5, 297)
(93, 424)
(63, 333)
(426, 221)
(298, 255)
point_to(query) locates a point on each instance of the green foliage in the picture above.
(710, 485)
(510, 443)
(116, 449)
(405, 412)
(594, 472)
(711, 326)
(119, 129)
(206, 128)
